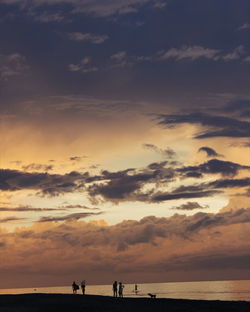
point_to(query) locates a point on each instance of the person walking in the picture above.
(115, 288)
(75, 287)
(83, 286)
(120, 290)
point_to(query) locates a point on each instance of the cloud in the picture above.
(12, 65)
(77, 158)
(244, 26)
(37, 167)
(160, 4)
(241, 107)
(188, 52)
(127, 185)
(97, 7)
(190, 206)
(27, 208)
(131, 249)
(122, 59)
(85, 66)
(88, 37)
(70, 217)
(165, 196)
(230, 183)
(47, 184)
(46, 17)
(193, 53)
(78, 207)
(168, 152)
(10, 219)
(214, 166)
(119, 56)
(209, 151)
(131, 184)
(219, 126)
(236, 54)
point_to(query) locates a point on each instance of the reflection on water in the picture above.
(216, 290)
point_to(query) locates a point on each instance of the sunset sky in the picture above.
(125, 131)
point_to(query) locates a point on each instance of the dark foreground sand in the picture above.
(77, 303)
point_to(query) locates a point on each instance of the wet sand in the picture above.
(89, 303)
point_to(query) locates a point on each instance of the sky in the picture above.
(124, 141)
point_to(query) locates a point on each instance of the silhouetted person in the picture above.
(115, 288)
(120, 290)
(136, 289)
(75, 287)
(83, 286)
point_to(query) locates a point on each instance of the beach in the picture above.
(92, 303)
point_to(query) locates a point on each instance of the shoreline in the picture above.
(94, 303)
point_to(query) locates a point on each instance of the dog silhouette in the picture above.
(152, 295)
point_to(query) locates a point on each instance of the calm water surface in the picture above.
(215, 290)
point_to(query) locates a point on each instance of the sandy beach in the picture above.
(68, 303)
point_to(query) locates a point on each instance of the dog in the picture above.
(152, 295)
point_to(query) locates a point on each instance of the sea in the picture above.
(211, 290)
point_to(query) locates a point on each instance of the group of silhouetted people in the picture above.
(118, 289)
(75, 287)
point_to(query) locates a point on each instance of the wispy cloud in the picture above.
(85, 66)
(167, 152)
(190, 206)
(47, 17)
(12, 65)
(209, 151)
(70, 217)
(97, 8)
(214, 125)
(188, 52)
(87, 37)
(244, 26)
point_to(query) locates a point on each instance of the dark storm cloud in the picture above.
(70, 217)
(219, 126)
(190, 206)
(209, 151)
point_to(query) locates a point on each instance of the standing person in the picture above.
(75, 287)
(83, 286)
(120, 290)
(115, 288)
(136, 289)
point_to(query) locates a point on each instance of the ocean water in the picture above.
(212, 290)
